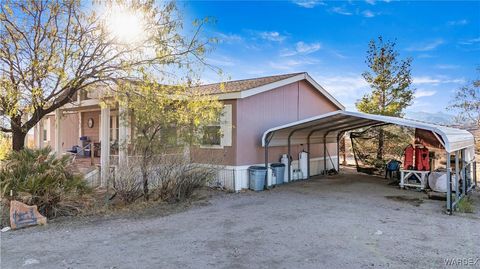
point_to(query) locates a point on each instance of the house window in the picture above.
(169, 136)
(219, 134)
(212, 135)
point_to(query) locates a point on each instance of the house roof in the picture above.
(241, 85)
(237, 89)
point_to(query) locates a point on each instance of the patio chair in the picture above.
(391, 167)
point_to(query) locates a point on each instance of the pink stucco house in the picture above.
(251, 107)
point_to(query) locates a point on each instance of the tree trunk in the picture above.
(145, 178)
(381, 138)
(18, 140)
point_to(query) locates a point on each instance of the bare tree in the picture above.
(466, 102)
(52, 49)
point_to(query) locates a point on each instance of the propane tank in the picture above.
(284, 160)
(303, 164)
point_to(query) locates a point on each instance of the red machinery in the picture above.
(422, 159)
(408, 157)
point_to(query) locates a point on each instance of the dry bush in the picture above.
(128, 184)
(175, 179)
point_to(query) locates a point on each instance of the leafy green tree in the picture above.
(167, 119)
(50, 50)
(390, 80)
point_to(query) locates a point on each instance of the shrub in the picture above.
(37, 177)
(5, 146)
(176, 179)
(466, 205)
(128, 184)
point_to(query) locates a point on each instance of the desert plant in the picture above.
(37, 177)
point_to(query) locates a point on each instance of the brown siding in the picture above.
(69, 130)
(94, 132)
(260, 112)
(225, 155)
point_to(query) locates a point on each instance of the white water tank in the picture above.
(303, 163)
(284, 160)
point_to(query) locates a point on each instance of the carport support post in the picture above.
(325, 154)
(457, 177)
(267, 141)
(289, 158)
(449, 186)
(308, 157)
(464, 178)
(338, 153)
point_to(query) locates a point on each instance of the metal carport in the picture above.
(329, 127)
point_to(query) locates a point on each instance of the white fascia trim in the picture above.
(280, 83)
(83, 103)
(271, 86)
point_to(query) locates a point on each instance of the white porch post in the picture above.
(39, 134)
(58, 134)
(105, 146)
(122, 136)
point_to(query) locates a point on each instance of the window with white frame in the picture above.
(219, 134)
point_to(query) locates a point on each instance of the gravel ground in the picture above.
(344, 221)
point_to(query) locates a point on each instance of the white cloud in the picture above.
(470, 41)
(272, 36)
(368, 14)
(228, 38)
(309, 3)
(447, 66)
(457, 23)
(371, 2)
(302, 48)
(291, 65)
(350, 85)
(427, 46)
(220, 60)
(437, 80)
(426, 56)
(341, 11)
(424, 93)
(305, 48)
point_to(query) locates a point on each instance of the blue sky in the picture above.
(329, 40)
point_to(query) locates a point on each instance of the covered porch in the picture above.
(80, 129)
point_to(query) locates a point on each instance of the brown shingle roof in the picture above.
(241, 85)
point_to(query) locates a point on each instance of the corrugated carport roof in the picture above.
(328, 126)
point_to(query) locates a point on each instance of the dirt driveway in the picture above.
(341, 222)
